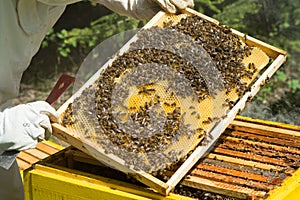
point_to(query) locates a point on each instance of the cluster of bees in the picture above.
(224, 47)
(179, 60)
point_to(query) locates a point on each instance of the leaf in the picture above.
(45, 43)
(281, 76)
(294, 84)
(64, 52)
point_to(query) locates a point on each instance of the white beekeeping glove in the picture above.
(172, 6)
(23, 126)
(144, 9)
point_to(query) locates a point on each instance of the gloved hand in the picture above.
(23, 126)
(144, 9)
(172, 6)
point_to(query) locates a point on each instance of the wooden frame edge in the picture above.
(270, 50)
(60, 132)
(218, 130)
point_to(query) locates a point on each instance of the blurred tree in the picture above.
(88, 37)
(275, 22)
(208, 7)
(270, 20)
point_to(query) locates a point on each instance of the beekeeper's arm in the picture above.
(145, 9)
(139, 9)
(23, 25)
(23, 126)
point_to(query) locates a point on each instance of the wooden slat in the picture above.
(222, 188)
(266, 139)
(231, 179)
(265, 130)
(264, 145)
(23, 164)
(244, 168)
(237, 173)
(29, 158)
(266, 123)
(244, 162)
(38, 154)
(46, 148)
(258, 151)
(250, 156)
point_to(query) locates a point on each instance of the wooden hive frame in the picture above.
(278, 56)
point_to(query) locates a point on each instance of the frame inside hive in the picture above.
(72, 138)
(244, 163)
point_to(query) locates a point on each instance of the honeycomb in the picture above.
(161, 98)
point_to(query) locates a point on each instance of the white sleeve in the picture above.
(57, 2)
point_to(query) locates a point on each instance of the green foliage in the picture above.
(275, 22)
(235, 13)
(281, 82)
(294, 85)
(208, 7)
(50, 36)
(281, 76)
(88, 37)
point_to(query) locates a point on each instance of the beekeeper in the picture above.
(23, 25)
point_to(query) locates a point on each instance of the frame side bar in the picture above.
(201, 151)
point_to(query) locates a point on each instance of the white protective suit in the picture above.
(23, 25)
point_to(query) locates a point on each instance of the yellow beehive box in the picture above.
(72, 174)
(53, 182)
